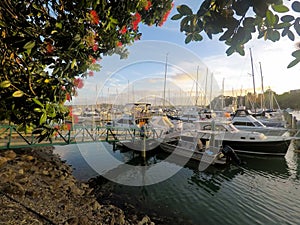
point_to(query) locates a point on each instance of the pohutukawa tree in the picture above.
(47, 47)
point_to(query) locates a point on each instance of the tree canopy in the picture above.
(48, 46)
(235, 22)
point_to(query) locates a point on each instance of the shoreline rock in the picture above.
(37, 187)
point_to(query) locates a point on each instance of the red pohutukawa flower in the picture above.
(119, 44)
(164, 19)
(136, 20)
(78, 83)
(149, 4)
(95, 17)
(68, 97)
(95, 47)
(49, 47)
(91, 73)
(123, 30)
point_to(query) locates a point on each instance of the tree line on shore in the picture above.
(268, 100)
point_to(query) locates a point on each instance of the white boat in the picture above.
(188, 145)
(269, 118)
(247, 142)
(250, 123)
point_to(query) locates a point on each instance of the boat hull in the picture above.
(275, 148)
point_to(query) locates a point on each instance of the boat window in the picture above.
(237, 123)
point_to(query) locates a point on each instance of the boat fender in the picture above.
(231, 155)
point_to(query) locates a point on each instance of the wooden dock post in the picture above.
(297, 142)
(144, 147)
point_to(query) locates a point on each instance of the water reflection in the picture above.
(283, 167)
(263, 191)
(211, 180)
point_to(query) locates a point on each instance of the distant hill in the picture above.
(289, 100)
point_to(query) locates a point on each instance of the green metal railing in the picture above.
(11, 138)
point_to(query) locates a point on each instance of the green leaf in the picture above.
(240, 50)
(285, 31)
(5, 84)
(43, 118)
(204, 8)
(270, 17)
(188, 38)
(241, 7)
(183, 23)
(58, 25)
(297, 26)
(226, 35)
(296, 6)
(36, 101)
(282, 25)
(280, 8)
(29, 45)
(291, 35)
(73, 63)
(18, 94)
(37, 109)
(176, 17)
(287, 18)
(273, 35)
(230, 51)
(197, 37)
(184, 10)
(296, 54)
(293, 63)
(77, 37)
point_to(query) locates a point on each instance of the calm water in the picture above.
(264, 191)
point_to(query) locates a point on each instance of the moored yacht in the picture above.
(247, 142)
(249, 123)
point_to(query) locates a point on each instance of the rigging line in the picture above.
(28, 208)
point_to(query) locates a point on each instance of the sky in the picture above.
(194, 72)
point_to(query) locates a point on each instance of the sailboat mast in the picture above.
(165, 81)
(253, 78)
(262, 88)
(210, 94)
(205, 88)
(197, 87)
(222, 103)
